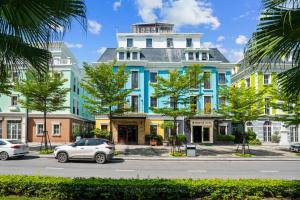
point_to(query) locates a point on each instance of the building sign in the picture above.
(202, 123)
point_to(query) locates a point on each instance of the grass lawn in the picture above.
(20, 198)
(243, 155)
(46, 152)
(298, 154)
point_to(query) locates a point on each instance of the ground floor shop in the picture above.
(13, 126)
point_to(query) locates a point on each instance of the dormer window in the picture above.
(134, 55)
(129, 42)
(121, 55)
(204, 56)
(149, 42)
(189, 42)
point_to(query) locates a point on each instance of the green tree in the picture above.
(27, 27)
(106, 92)
(176, 89)
(242, 105)
(5, 85)
(43, 93)
(278, 37)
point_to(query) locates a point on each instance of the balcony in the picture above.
(14, 108)
(62, 61)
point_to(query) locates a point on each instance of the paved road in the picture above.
(153, 169)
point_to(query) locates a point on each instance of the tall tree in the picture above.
(27, 27)
(43, 93)
(176, 90)
(106, 90)
(278, 37)
(5, 85)
(242, 105)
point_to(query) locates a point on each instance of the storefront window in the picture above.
(14, 129)
(206, 134)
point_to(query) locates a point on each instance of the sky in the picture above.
(225, 24)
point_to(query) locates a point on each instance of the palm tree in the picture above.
(277, 37)
(28, 26)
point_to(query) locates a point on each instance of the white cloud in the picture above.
(241, 40)
(236, 55)
(101, 50)
(190, 12)
(220, 38)
(179, 12)
(94, 27)
(211, 45)
(147, 9)
(117, 5)
(74, 45)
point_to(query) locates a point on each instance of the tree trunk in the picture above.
(174, 134)
(45, 131)
(244, 139)
(110, 125)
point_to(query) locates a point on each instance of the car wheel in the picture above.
(4, 155)
(100, 158)
(62, 157)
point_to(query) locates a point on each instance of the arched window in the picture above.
(249, 126)
(267, 130)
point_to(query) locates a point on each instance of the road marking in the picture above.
(54, 168)
(197, 171)
(269, 171)
(125, 170)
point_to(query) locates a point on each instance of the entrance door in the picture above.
(205, 134)
(127, 134)
(197, 134)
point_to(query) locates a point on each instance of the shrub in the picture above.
(275, 138)
(225, 138)
(159, 139)
(180, 138)
(48, 151)
(254, 142)
(97, 188)
(105, 134)
(250, 135)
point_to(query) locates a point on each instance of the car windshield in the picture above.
(14, 141)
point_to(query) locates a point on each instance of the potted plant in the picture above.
(153, 140)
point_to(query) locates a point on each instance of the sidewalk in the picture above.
(204, 153)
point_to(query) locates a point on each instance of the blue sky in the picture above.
(226, 24)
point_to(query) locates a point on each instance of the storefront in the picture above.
(201, 130)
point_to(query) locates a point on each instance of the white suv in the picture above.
(100, 150)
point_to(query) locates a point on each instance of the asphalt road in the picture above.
(153, 169)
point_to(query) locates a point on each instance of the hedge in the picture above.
(97, 188)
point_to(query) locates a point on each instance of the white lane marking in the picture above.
(268, 171)
(197, 171)
(125, 170)
(54, 168)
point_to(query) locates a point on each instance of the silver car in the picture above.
(12, 148)
(99, 150)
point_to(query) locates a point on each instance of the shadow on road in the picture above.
(24, 158)
(113, 161)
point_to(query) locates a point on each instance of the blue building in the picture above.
(153, 50)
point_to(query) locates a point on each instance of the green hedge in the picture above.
(225, 138)
(96, 188)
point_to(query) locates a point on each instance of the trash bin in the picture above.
(191, 150)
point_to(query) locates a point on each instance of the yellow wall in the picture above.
(102, 121)
(158, 122)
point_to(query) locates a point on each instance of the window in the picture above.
(247, 82)
(206, 135)
(249, 126)
(153, 129)
(172, 102)
(267, 79)
(222, 101)
(207, 80)
(189, 42)
(14, 129)
(129, 42)
(121, 55)
(74, 106)
(294, 134)
(153, 102)
(93, 142)
(40, 129)
(267, 106)
(2, 142)
(14, 100)
(194, 80)
(0, 129)
(104, 127)
(134, 55)
(207, 104)
(193, 103)
(81, 142)
(128, 55)
(153, 77)
(267, 131)
(197, 55)
(170, 43)
(191, 56)
(222, 78)
(74, 85)
(222, 130)
(134, 79)
(149, 43)
(134, 104)
(204, 56)
(56, 129)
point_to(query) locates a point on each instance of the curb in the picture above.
(155, 158)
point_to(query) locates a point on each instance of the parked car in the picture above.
(97, 149)
(12, 148)
(295, 147)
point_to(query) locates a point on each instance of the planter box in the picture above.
(153, 142)
(165, 143)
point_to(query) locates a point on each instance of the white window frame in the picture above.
(127, 42)
(210, 83)
(219, 78)
(156, 101)
(105, 124)
(153, 124)
(269, 79)
(138, 79)
(210, 103)
(53, 134)
(226, 128)
(37, 129)
(155, 72)
(269, 107)
(246, 85)
(11, 99)
(148, 39)
(131, 102)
